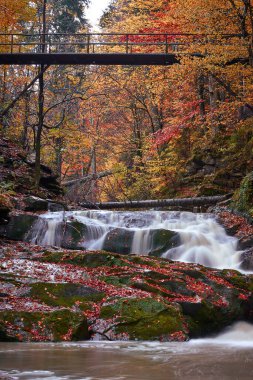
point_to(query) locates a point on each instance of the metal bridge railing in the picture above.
(101, 43)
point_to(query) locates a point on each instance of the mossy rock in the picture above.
(32, 203)
(37, 326)
(243, 197)
(163, 240)
(196, 274)
(72, 234)
(239, 281)
(119, 240)
(205, 318)
(87, 259)
(143, 319)
(178, 287)
(65, 294)
(116, 280)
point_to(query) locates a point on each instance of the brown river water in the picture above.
(228, 356)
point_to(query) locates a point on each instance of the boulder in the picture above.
(33, 203)
(51, 183)
(163, 240)
(39, 326)
(4, 214)
(5, 208)
(56, 207)
(71, 234)
(247, 260)
(246, 242)
(18, 226)
(119, 240)
(139, 319)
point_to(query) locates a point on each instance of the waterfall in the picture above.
(204, 242)
(239, 334)
(142, 242)
(198, 238)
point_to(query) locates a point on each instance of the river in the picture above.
(202, 240)
(226, 357)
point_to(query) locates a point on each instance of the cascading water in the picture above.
(200, 238)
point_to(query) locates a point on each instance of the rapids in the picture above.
(202, 239)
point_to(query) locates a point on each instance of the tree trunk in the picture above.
(89, 177)
(40, 103)
(39, 129)
(58, 155)
(178, 202)
(201, 95)
(25, 143)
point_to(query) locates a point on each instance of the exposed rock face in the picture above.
(4, 214)
(40, 326)
(211, 171)
(247, 260)
(35, 204)
(76, 295)
(239, 226)
(32, 203)
(120, 240)
(18, 226)
(17, 172)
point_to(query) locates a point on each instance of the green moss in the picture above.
(143, 319)
(241, 282)
(196, 274)
(37, 326)
(163, 240)
(243, 197)
(154, 275)
(64, 294)
(154, 262)
(117, 281)
(208, 318)
(60, 322)
(85, 259)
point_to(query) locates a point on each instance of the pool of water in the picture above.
(229, 356)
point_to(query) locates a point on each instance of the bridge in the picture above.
(110, 48)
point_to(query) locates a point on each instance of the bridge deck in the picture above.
(107, 48)
(88, 59)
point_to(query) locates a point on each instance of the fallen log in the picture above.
(177, 202)
(89, 177)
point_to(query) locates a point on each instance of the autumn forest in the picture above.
(126, 189)
(152, 131)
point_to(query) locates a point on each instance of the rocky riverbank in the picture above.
(53, 295)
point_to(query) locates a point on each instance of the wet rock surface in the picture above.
(240, 226)
(115, 297)
(18, 226)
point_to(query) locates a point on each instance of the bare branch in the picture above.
(26, 88)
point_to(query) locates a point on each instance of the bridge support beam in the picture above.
(87, 59)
